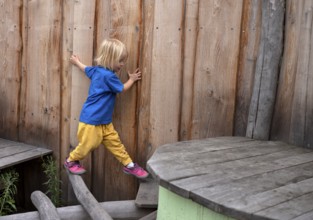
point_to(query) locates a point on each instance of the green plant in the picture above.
(53, 183)
(8, 181)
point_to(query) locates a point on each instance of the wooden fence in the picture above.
(210, 68)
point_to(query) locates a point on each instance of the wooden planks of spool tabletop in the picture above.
(233, 178)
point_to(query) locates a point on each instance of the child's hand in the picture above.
(75, 59)
(135, 76)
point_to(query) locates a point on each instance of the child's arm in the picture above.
(76, 61)
(133, 77)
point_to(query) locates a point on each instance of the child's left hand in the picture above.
(135, 76)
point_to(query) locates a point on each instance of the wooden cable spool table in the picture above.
(233, 178)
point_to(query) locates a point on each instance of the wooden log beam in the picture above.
(121, 210)
(267, 70)
(86, 199)
(46, 209)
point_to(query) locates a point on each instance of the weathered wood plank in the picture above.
(293, 118)
(249, 47)
(231, 170)
(99, 161)
(215, 68)
(212, 151)
(40, 99)
(87, 200)
(166, 72)
(126, 26)
(145, 149)
(261, 191)
(283, 107)
(306, 216)
(83, 41)
(267, 69)
(66, 81)
(8, 143)
(12, 150)
(10, 65)
(147, 195)
(122, 210)
(23, 156)
(191, 28)
(45, 207)
(298, 129)
(290, 209)
(257, 182)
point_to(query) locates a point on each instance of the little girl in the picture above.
(95, 122)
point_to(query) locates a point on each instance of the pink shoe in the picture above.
(74, 167)
(136, 171)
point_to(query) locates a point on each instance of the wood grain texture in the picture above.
(249, 47)
(40, 110)
(13, 153)
(10, 74)
(66, 83)
(45, 207)
(145, 150)
(86, 199)
(302, 105)
(99, 168)
(215, 68)
(191, 29)
(166, 70)
(83, 39)
(198, 60)
(125, 23)
(292, 119)
(267, 69)
(117, 209)
(147, 195)
(238, 177)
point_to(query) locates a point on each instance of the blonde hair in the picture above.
(110, 52)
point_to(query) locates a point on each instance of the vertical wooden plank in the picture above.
(66, 81)
(83, 24)
(267, 69)
(102, 27)
(125, 26)
(145, 150)
(216, 68)
(189, 58)
(10, 65)
(122, 21)
(301, 103)
(40, 113)
(308, 137)
(166, 72)
(249, 47)
(283, 107)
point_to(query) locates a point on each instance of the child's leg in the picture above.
(112, 142)
(89, 137)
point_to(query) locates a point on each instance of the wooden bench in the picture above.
(12, 153)
(233, 177)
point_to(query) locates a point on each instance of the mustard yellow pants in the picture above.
(91, 136)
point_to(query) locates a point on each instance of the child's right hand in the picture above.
(74, 59)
